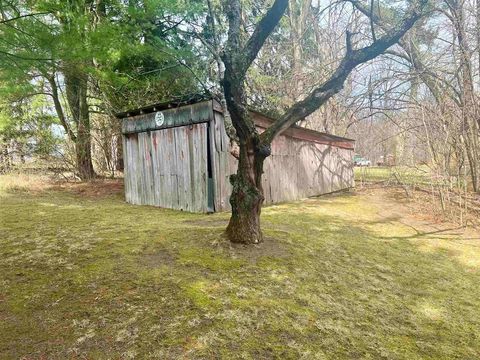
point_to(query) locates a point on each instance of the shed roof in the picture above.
(262, 121)
(183, 101)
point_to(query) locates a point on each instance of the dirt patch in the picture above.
(38, 184)
(159, 258)
(422, 206)
(270, 247)
(93, 189)
(416, 212)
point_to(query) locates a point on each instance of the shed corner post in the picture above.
(212, 200)
(126, 170)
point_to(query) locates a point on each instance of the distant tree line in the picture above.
(75, 63)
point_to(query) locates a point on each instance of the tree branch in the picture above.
(372, 27)
(237, 58)
(23, 57)
(243, 56)
(59, 108)
(334, 84)
(414, 56)
(262, 31)
(22, 17)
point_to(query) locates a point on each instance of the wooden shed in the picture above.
(178, 156)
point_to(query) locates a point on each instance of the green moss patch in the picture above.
(337, 278)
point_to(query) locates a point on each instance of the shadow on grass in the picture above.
(104, 278)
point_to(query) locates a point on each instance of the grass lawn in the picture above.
(407, 175)
(355, 276)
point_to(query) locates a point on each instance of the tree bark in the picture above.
(119, 163)
(76, 91)
(247, 197)
(247, 192)
(83, 151)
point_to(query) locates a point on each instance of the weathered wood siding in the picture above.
(185, 115)
(167, 163)
(223, 163)
(167, 168)
(297, 169)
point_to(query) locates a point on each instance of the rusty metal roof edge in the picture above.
(315, 132)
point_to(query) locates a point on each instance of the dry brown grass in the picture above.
(37, 183)
(15, 183)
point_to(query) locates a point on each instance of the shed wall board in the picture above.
(168, 168)
(224, 164)
(295, 170)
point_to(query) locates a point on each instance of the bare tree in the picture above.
(451, 80)
(247, 195)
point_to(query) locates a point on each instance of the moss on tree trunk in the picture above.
(247, 197)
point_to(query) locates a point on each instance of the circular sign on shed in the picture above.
(159, 119)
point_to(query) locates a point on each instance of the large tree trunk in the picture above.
(119, 164)
(247, 197)
(247, 192)
(76, 91)
(83, 149)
